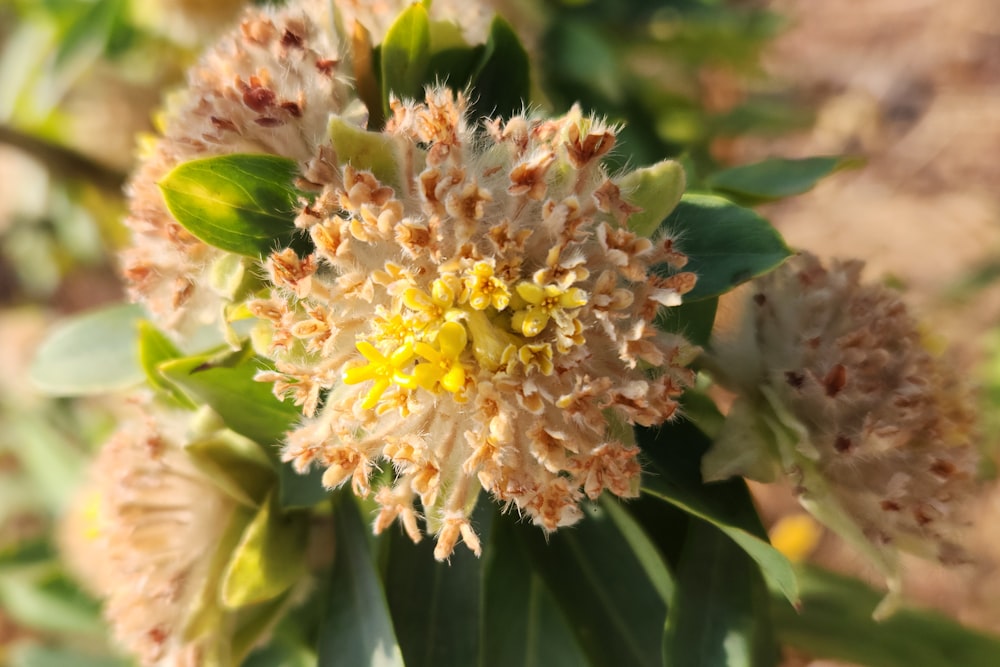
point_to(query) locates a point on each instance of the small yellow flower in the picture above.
(380, 369)
(483, 289)
(545, 302)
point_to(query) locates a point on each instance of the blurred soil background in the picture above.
(913, 87)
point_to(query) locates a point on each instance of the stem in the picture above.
(64, 162)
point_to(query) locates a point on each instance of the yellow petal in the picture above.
(452, 339)
(531, 292)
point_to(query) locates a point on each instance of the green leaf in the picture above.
(612, 606)
(242, 203)
(406, 55)
(675, 450)
(45, 601)
(692, 319)
(642, 547)
(269, 559)
(247, 407)
(156, 348)
(35, 655)
(657, 189)
(835, 622)
(235, 464)
(282, 655)
(93, 353)
(522, 624)
(726, 244)
(719, 615)
(777, 178)
(21, 553)
(88, 36)
(356, 628)
(207, 617)
(301, 491)
(501, 82)
(435, 606)
(48, 458)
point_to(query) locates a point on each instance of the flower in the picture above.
(478, 316)
(875, 430)
(142, 536)
(270, 86)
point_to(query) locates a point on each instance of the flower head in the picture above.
(143, 536)
(492, 322)
(875, 429)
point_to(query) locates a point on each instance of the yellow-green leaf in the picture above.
(242, 203)
(406, 54)
(269, 559)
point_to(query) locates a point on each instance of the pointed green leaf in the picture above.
(356, 628)
(406, 52)
(777, 178)
(522, 624)
(247, 406)
(270, 558)
(501, 82)
(242, 203)
(612, 606)
(642, 547)
(719, 615)
(835, 622)
(675, 450)
(657, 190)
(726, 244)
(435, 606)
(93, 353)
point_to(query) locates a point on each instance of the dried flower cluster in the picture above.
(483, 317)
(143, 537)
(874, 419)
